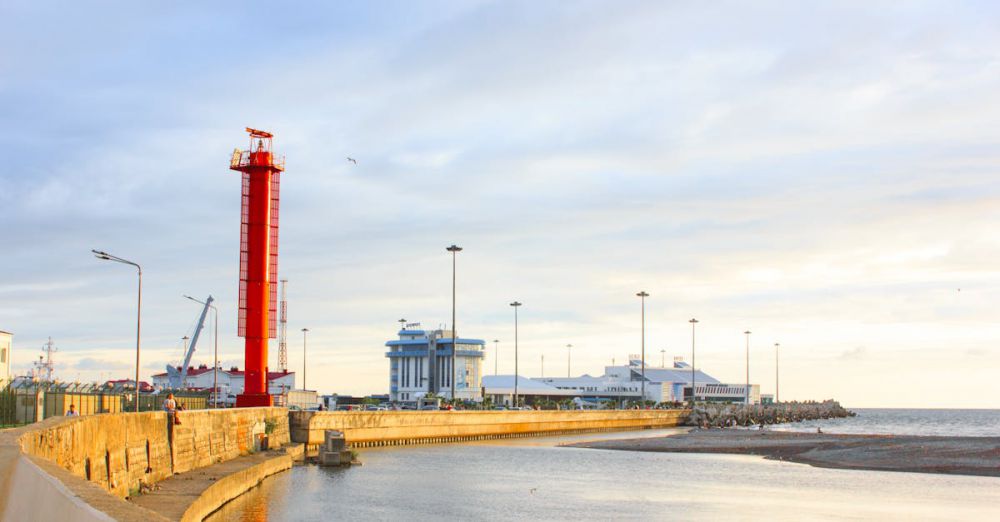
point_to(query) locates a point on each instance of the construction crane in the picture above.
(176, 376)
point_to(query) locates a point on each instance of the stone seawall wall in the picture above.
(117, 451)
(207, 437)
(411, 427)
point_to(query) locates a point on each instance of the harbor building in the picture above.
(6, 343)
(420, 364)
(231, 381)
(622, 383)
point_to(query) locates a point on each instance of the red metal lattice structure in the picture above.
(258, 298)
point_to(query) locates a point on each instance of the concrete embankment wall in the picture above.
(117, 451)
(380, 428)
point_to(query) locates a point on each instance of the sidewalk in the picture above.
(196, 494)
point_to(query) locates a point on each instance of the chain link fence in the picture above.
(26, 402)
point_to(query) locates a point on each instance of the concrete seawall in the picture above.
(384, 428)
(118, 451)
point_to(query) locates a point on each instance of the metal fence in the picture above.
(27, 401)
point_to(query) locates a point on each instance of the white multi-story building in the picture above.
(420, 363)
(6, 344)
(230, 381)
(624, 383)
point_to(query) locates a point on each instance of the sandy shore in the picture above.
(953, 455)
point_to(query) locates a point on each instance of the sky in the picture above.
(823, 174)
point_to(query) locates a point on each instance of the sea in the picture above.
(538, 479)
(888, 421)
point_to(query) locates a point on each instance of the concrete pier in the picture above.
(392, 428)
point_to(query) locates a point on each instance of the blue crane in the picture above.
(175, 376)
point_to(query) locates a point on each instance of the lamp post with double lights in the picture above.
(643, 295)
(454, 249)
(693, 396)
(138, 314)
(516, 305)
(748, 366)
(777, 396)
(496, 356)
(304, 332)
(215, 335)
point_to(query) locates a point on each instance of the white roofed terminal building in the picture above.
(230, 381)
(621, 383)
(420, 364)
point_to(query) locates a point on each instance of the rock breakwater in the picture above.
(729, 415)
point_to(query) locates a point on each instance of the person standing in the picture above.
(72, 411)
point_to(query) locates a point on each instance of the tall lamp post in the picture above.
(215, 367)
(693, 395)
(516, 305)
(776, 374)
(748, 366)
(454, 249)
(138, 314)
(643, 295)
(663, 358)
(569, 348)
(304, 332)
(496, 356)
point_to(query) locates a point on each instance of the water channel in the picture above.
(535, 479)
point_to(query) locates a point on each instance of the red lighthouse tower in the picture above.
(258, 260)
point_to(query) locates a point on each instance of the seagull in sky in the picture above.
(352, 160)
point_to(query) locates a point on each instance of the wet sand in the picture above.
(952, 455)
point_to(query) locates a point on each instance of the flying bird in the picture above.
(352, 160)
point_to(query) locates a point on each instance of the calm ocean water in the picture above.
(967, 423)
(535, 479)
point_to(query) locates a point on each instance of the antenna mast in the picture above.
(283, 328)
(48, 348)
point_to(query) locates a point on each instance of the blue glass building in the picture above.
(420, 363)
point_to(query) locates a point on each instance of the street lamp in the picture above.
(138, 314)
(748, 366)
(693, 396)
(454, 249)
(643, 295)
(663, 358)
(516, 305)
(496, 356)
(776, 389)
(569, 348)
(304, 332)
(215, 367)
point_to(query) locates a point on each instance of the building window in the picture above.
(3, 355)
